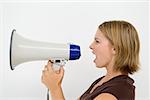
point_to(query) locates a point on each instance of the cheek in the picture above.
(104, 55)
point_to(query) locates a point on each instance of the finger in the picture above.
(49, 61)
(45, 68)
(49, 66)
(43, 72)
(42, 80)
(57, 71)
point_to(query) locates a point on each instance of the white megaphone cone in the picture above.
(24, 50)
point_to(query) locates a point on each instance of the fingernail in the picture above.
(50, 61)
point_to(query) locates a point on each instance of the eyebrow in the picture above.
(97, 38)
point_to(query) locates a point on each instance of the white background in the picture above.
(63, 22)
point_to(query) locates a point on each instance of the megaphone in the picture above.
(25, 50)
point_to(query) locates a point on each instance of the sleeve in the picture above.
(121, 91)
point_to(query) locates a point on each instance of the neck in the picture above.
(111, 73)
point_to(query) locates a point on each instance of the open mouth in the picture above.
(94, 57)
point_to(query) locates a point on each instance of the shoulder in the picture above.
(121, 87)
(105, 96)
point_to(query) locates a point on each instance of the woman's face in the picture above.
(102, 49)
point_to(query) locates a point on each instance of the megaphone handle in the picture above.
(58, 63)
(47, 94)
(56, 67)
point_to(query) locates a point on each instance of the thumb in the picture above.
(61, 71)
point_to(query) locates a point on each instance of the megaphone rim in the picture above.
(10, 54)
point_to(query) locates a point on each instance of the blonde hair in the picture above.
(124, 37)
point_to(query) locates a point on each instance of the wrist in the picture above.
(54, 88)
(57, 93)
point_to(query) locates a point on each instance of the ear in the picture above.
(113, 51)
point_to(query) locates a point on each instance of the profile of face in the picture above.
(103, 50)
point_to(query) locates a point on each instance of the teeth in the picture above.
(94, 57)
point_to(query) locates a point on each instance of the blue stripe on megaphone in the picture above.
(74, 52)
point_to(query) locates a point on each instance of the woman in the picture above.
(116, 47)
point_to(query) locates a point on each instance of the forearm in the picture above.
(57, 94)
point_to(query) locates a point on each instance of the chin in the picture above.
(99, 66)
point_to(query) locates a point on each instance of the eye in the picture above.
(97, 41)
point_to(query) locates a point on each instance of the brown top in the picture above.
(120, 86)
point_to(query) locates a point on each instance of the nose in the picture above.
(91, 46)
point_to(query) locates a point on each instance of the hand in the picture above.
(52, 79)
